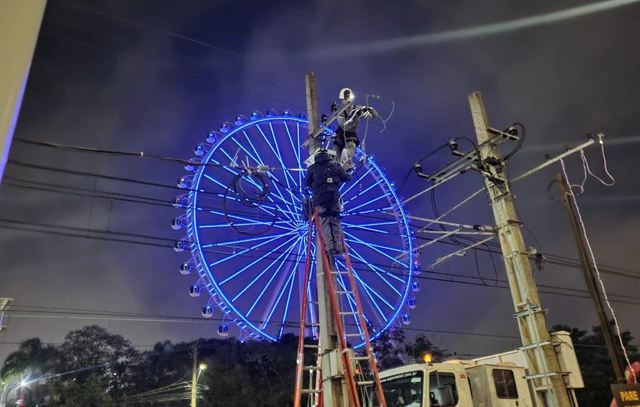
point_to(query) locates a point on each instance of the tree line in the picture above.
(94, 367)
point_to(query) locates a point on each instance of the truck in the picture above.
(499, 380)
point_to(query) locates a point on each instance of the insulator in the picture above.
(201, 149)
(411, 303)
(271, 113)
(255, 115)
(226, 127)
(182, 201)
(185, 182)
(415, 286)
(287, 113)
(213, 136)
(193, 164)
(302, 116)
(406, 319)
(180, 245)
(207, 311)
(223, 330)
(186, 268)
(179, 222)
(194, 290)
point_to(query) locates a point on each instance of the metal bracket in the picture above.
(527, 312)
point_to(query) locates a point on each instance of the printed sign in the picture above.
(626, 395)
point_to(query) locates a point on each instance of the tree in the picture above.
(32, 360)
(32, 357)
(595, 366)
(100, 360)
(420, 346)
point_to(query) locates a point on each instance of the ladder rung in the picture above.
(310, 346)
(348, 313)
(344, 292)
(360, 358)
(312, 368)
(352, 335)
(310, 391)
(365, 383)
(340, 272)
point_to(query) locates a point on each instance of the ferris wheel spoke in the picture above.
(258, 159)
(286, 307)
(375, 247)
(376, 210)
(369, 202)
(364, 191)
(288, 204)
(280, 195)
(249, 249)
(372, 245)
(248, 239)
(351, 302)
(273, 276)
(355, 182)
(287, 173)
(261, 207)
(256, 261)
(377, 270)
(368, 290)
(297, 152)
(283, 254)
(276, 224)
(348, 225)
(275, 305)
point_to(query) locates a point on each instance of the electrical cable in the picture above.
(560, 260)
(520, 142)
(248, 201)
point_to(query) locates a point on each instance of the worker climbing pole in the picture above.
(339, 376)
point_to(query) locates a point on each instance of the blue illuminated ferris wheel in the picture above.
(247, 233)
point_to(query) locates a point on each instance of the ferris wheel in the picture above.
(247, 232)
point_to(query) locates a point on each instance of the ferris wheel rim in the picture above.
(204, 271)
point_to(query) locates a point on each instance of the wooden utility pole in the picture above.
(544, 369)
(333, 390)
(589, 276)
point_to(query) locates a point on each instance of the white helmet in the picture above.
(346, 94)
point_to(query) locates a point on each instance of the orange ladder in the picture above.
(354, 366)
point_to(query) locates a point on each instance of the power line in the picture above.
(559, 260)
(155, 241)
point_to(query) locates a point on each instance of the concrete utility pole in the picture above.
(333, 389)
(589, 277)
(19, 28)
(544, 368)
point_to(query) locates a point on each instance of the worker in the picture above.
(324, 177)
(348, 121)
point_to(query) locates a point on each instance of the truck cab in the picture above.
(499, 380)
(455, 383)
(422, 385)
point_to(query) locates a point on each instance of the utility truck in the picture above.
(500, 380)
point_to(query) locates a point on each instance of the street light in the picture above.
(203, 366)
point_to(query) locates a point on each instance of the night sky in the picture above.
(156, 76)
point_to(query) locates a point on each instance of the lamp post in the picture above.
(195, 375)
